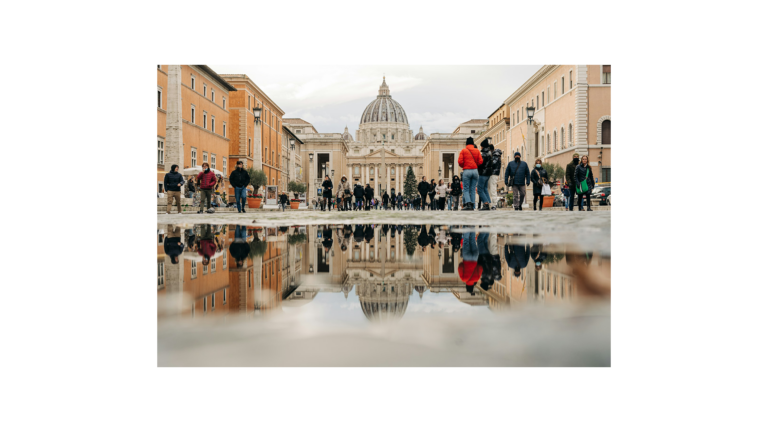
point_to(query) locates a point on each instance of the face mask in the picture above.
(538, 165)
(517, 159)
(575, 160)
(538, 263)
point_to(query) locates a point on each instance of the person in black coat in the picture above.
(385, 200)
(172, 244)
(424, 239)
(327, 193)
(485, 171)
(584, 172)
(539, 177)
(172, 182)
(432, 192)
(359, 194)
(368, 196)
(570, 170)
(368, 233)
(456, 191)
(517, 257)
(239, 179)
(359, 233)
(284, 201)
(239, 247)
(517, 176)
(423, 191)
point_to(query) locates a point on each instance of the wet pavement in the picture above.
(511, 292)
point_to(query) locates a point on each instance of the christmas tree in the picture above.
(409, 189)
(411, 234)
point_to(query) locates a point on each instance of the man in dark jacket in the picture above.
(239, 248)
(517, 257)
(423, 238)
(172, 244)
(485, 171)
(207, 181)
(368, 196)
(456, 191)
(570, 170)
(284, 201)
(517, 176)
(385, 200)
(423, 191)
(359, 194)
(172, 183)
(493, 181)
(239, 179)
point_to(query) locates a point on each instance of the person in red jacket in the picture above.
(469, 271)
(469, 160)
(207, 247)
(207, 181)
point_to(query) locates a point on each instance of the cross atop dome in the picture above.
(384, 89)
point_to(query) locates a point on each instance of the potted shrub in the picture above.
(294, 239)
(297, 188)
(258, 179)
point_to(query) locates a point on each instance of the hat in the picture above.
(470, 141)
(485, 143)
(517, 153)
(575, 154)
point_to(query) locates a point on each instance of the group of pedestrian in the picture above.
(206, 189)
(481, 173)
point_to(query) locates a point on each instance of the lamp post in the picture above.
(439, 173)
(450, 171)
(528, 153)
(257, 156)
(311, 180)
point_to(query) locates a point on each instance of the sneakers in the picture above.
(493, 208)
(485, 207)
(199, 212)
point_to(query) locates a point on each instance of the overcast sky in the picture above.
(438, 98)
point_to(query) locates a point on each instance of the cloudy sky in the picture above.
(438, 98)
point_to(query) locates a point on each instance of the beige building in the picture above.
(572, 114)
(292, 166)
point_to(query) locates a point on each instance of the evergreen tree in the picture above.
(409, 188)
(410, 235)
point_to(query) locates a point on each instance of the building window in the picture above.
(224, 132)
(249, 146)
(562, 85)
(193, 114)
(194, 270)
(562, 139)
(249, 102)
(570, 135)
(213, 124)
(554, 139)
(548, 147)
(224, 168)
(224, 102)
(205, 156)
(205, 120)
(606, 74)
(161, 152)
(159, 97)
(205, 269)
(298, 130)
(606, 131)
(213, 161)
(224, 299)
(605, 174)
(160, 273)
(570, 79)
(542, 99)
(193, 82)
(370, 171)
(213, 265)
(205, 304)
(213, 95)
(205, 90)
(357, 170)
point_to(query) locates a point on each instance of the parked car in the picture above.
(600, 195)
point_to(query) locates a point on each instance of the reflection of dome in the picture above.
(384, 108)
(421, 136)
(347, 136)
(383, 303)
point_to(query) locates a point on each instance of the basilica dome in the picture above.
(421, 136)
(384, 109)
(347, 136)
(382, 304)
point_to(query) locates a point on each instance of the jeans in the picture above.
(482, 189)
(240, 194)
(470, 179)
(519, 191)
(241, 232)
(456, 202)
(469, 248)
(450, 201)
(482, 244)
(493, 182)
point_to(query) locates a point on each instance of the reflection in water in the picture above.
(212, 270)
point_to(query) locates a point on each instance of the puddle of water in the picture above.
(380, 295)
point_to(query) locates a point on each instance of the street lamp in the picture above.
(530, 113)
(333, 173)
(256, 114)
(439, 173)
(293, 144)
(310, 157)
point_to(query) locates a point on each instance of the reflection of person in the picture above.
(424, 239)
(538, 255)
(239, 248)
(172, 245)
(485, 261)
(517, 257)
(368, 233)
(469, 271)
(207, 247)
(327, 237)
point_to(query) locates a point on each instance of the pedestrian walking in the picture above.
(469, 271)
(359, 193)
(485, 171)
(493, 181)
(172, 182)
(399, 200)
(385, 200)
(190, 185)
(517, 176)
(583, 178)
(539, 178)
(345, 193)
(570, 170)
(469, 160)
(284, 200)
(423, 189)
(432, 192)
(206, 180)
(566, 196)
(328, 192)
(441, 191)
(456, 191)
(368, 196)
(239, 179)
(517, 257)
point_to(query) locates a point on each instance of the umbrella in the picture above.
(195, 170)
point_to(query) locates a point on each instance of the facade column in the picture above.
(174, 143)
(349, 176)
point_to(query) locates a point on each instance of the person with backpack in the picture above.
(517, 176)
(173, 182)
(583, 173)
(493, 181)
(456, 192)
(485, 171)
(469, 160)
(239, 179)
(207, 181)
(423, 189)
(539, 178)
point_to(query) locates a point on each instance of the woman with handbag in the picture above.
(585, 182)
(539, 178)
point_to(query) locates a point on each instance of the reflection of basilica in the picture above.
(289, 267)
